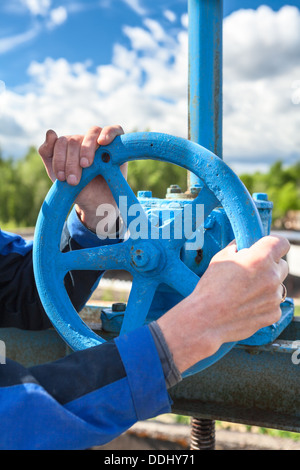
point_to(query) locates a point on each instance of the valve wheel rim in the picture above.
(221, 186)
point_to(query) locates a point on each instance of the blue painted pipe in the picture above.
(205, 76)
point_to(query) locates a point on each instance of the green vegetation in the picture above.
(282, 186)
(24, 184)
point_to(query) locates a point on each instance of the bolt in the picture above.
(174, 188)
(145, 257)
(140, 258)
(209, 222)
(118, 307)
(260, 196)
(195, 190)
(144, 194)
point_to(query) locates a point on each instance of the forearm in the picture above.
(84, 399)
(189, 337)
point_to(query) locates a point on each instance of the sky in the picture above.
(69, 65)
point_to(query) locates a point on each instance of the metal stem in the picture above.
(205, 76)
(205, 118)
(202, 434)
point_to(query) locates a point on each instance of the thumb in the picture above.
(46, 151)
(231, 247)
(226, 253)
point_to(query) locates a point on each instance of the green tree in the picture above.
(155, 176)
(282, 186)
(15, 200)
(32, 173)
(24, 185)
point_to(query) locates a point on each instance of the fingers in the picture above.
(89, 146)
(46, 151)
(108, 134)
(283, 269)
(274, 246)
(64, 157)
(73, 168)
(267, 257)
(97, 136)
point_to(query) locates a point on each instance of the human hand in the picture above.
(65, 157)
(239, 294)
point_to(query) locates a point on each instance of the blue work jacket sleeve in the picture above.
(85, 399)
(20, 305)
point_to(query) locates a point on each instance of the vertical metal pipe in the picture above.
(205, 119)
(205, 76)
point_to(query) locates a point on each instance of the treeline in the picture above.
(282, 186)
(24, 185)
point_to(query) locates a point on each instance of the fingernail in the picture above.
(84, 162)
(72, 179)
(61, 175)
(103, 138)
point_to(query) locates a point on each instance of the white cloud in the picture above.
(261, 63)
(136, 6)
(37, 7)
(145, 87)
(51, 19)
(170, 15)
(57, 16)
(9, 43)
(261, 43)
(140, 38)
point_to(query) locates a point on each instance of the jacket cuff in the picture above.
(144, 372)
(82, 235)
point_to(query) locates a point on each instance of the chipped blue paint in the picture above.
(220, 187)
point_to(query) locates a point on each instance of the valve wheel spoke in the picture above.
(139, 303)
(181, 278)
(101, 258)
(129, 205)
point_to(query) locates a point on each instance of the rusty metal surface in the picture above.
(31, 348)
(251, 385)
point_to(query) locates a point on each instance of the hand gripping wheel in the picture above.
(151, 261)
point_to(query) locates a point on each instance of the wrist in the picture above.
(87, 218)
(105, 223)
(188, 333)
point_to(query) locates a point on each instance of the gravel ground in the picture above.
(156, 435)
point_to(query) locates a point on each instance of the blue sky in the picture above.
(53, 52)
(83, 30)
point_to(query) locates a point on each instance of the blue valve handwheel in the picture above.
(151, 261)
